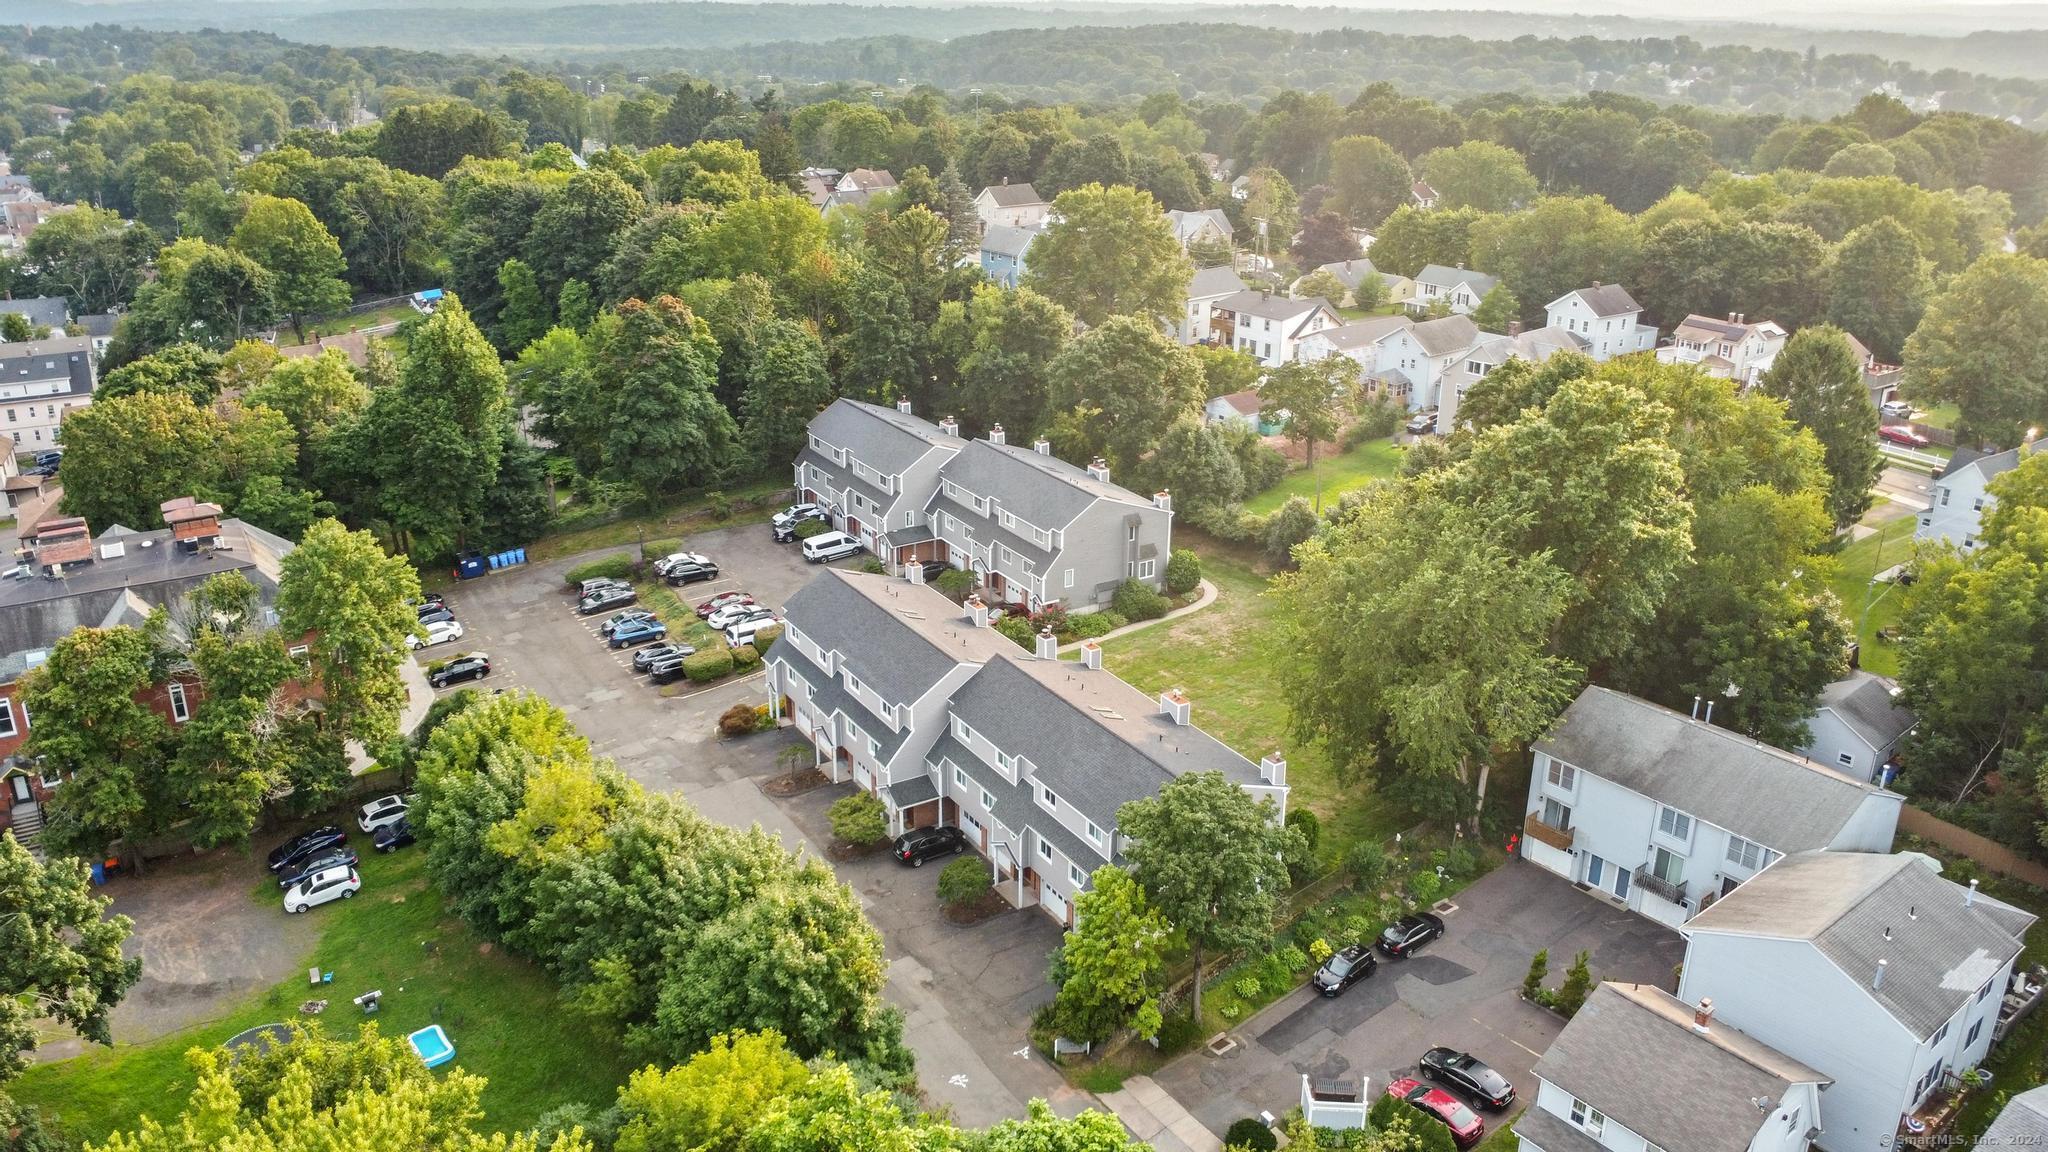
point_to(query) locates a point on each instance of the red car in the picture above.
(1902, 435)
(1465, 1125)
(721, 600)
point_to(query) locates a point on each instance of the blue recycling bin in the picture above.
(494, 562)
(99, 873)
(520, 555)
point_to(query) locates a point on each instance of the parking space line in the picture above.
(1510, 1039)
(717, 686)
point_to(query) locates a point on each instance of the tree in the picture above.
(711, 1100)
(1118, 386)
(1316, 394)
(318, 395)
(15, 328)
(1195, 461)
(340, 591)
(1979, 349)
(126, 455)
(1818, 377)
(1208, 858)
(963, 223)
(1007, 343)
(1269, 197)
(303, 258)
(1478, 174)
(1323, 284)
(1112, 966)
(236, 749)
(1578, 984)
(390, 224)
(1418, 709)
(664, 429)
(523, 312)
(91, 257)
(204, 294)
(1110, 252)
(1497, 309)
(1100, 159)
(1879, 287)
(61, 958)
(1412, 238)
(1368, 179)
(1557, 244)
(180, 370)
(430, 139)
(1043, 1130)
(92, 727)
(1325, 239)
(578, 225)
(785, 385)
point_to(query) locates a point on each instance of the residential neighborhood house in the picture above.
(1461, 286)
(1267, 326)
(1867, 966)
(857, 186)
(1205, 288)
(1639, 1068)
(1204, 225)
(1732, 349)
(52, 312)
(1962, 492)
(1240, 408)
(1422, 195)
(917, 700)
(1003, 248)
(1667, 814)
(1605, 318)
(41, 380)
(1016, 205)
(1857, 726)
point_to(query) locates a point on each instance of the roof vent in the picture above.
(1970, 897)
(1877, 978)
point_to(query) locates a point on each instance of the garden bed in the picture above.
(987, 907)
(786, 785)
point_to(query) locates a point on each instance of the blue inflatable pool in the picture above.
(433, 1045)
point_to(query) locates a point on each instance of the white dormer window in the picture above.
(1094, 834)
(1673, 823)
(1048, 798)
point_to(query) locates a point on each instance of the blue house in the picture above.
(1002, 252)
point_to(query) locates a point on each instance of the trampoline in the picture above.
(433, 1045)
(260, 1039)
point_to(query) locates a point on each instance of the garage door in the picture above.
(1053, 900)
(1556, 859)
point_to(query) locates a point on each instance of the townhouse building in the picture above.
(918, 701)
(41, 380)
(1667, 814)
(873, 469)
(1870, 967)
(1638, 1069)
(1606, 320)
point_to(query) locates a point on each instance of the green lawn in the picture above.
(1941, 416)
(351, 321)
(1227, 657)
(500, 1011)
(1891, 544)
(1372, 460)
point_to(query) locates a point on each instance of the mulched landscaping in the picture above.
(786, 785)
(990, 905)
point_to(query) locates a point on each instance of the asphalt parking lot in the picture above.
(1462, 991)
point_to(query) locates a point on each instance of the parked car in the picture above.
(381, 811)
(706, 608)
(654, 654)
(341, 857)
(784, 531)
(638, 632)
(1902, 435)
(1408, 934)
(470, 666)
(439, 632)
(733, 614)
(1421, 423)
(629, 616)
(1465, 1125)
(392, 837)
(921, 844)
(605, 598)
(337, 883)
(691, 571)
(50, 458)
(673, 560)
(931, 570)
(436, 614)
(600, 584)
(1345, 967)
(429, 603)
(1897, 410)
(829, 546)
(666, 672)
(305, 845)
(1463, 1071)
(745, 631)
(794, 513)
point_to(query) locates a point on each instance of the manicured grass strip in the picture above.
(1372, 460)
(1875, 605)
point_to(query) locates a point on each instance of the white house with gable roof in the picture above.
(1962, 494)
(1605, 318)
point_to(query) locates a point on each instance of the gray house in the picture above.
(1003, 250)
(918, 701)
(1857, 725)
(40, 381)
(1461, 286)
(1869, 967)
(42, 311)
(873, 469)
(1962, 492)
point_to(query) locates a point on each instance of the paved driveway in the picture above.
(1462, 992)
(966, 993)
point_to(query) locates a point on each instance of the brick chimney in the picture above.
(1514, 327)
(1174, 703)
(1703, 1016)
(192, 523)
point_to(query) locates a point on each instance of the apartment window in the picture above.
(1070, 578)
(1944, 497)
(7, 725)
(959, 777)
(1044, 848)
(988, 802)
(910, 517)
(299, 651)
(1675, 824)
(1047, 797)
(1558, 816)
(1746, 853)
(1940, 1034)
(1563, 775)
(874, 747)
(1146, 568)
(1074, 875)
(1094, 833)
(1589, 1119)
(1975, 1030)
(10, 415)
(1475, 367)
(1977, 505)
(1131, 532)
(961, 731)
(1667, 865)
(1986, 989)
(180, 711)
(50, 776)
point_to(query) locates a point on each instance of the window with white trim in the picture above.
(1048, 797)
(1975, 1030)
(1044, 848)
(874, 748)
(910, 517)
(959, 777)
(180, 710)
(1074, 874)
(1667, 865)
(1094, 834)
(1146, 569)
(1070, 578)
(1673, 823)
(987, 801)
(1747, 853)
(7, 725)
(1562, 775)
(1846, 759)
(1940, 1034)
(961, 731)
(1588, 1118)
(50, 775)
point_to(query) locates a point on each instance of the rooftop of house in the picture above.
(1189, 223)
(885, 439)
(1445, 277)
(1445, 335)
(1245, 403)
(1536, 345)
(39, 361)
(1422, 191)
(1217, 280)
(1008, 239)
(2023, 1121)
(1986, 465)
(1360, 333)
(1603, 299)
(1940, 942)
(1349, 273)
(1036, 486)
(898, 637)
(1776, 798)
(1270, 305)
(870, 179)
(1630, 1044)
(42, 311)
(1869, 705)
(99, 324)
(1012, 195)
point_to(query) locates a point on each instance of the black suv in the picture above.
(474, 666)
(921, 844)
(304, 847)
(603, 598)
(690, 571)
(1345, 967)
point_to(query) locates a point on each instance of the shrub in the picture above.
(1295, 522)
(1358, 929)
(765, 639)
(1319, 950)
(1179, 1031)
(1461, 861)
(1055, 618)
(1539, 969)
(1578, 984)
(656, 549)
(810, 528)
(708, 665)
(1247, 987)
(1293, 958)
(745, 658)
(1274, 974)
(1425, 885)
(1250, 1133)
(964, 881)
(872, 566)
(1367, 861)
(738, 720)
(1116, 619)
(1019, 629)
(1311, 828)
(1134, 601)
(955, 582)
(1183, 572)
(615, 567)
(1262, 466)
(1377, 419)
(721, 505)
(859, 819)
(1089, 625)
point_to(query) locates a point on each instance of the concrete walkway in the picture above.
(419, 696)
(1158, 1119)
(1207, 598)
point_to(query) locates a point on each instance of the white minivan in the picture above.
(826, 546)
(745, 631)
(337, 883)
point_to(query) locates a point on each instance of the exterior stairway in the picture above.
(27, 827)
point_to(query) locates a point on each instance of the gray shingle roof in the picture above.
(1046, 490)
(1008, 240)
(1632, 1053)
(1989, 465)
(916, 790)
(1708, 326)
(59, 357)
(1012, 195)
(1187, 224)
(1865, 703)
(1606, 300)
(1775, 798)
(2024, 1121)
(1552, 1134)
(829, 695)
(1218, 280)
(885, 439)
(1016, 807)
(1939, 943)
(1271, 305)
(1360, 333)
(43, 311)
(898, 637)
(1349, 273)
(1445, 277)
(1445, 334)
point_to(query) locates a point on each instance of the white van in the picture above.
(827, 546)
(745, 631)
